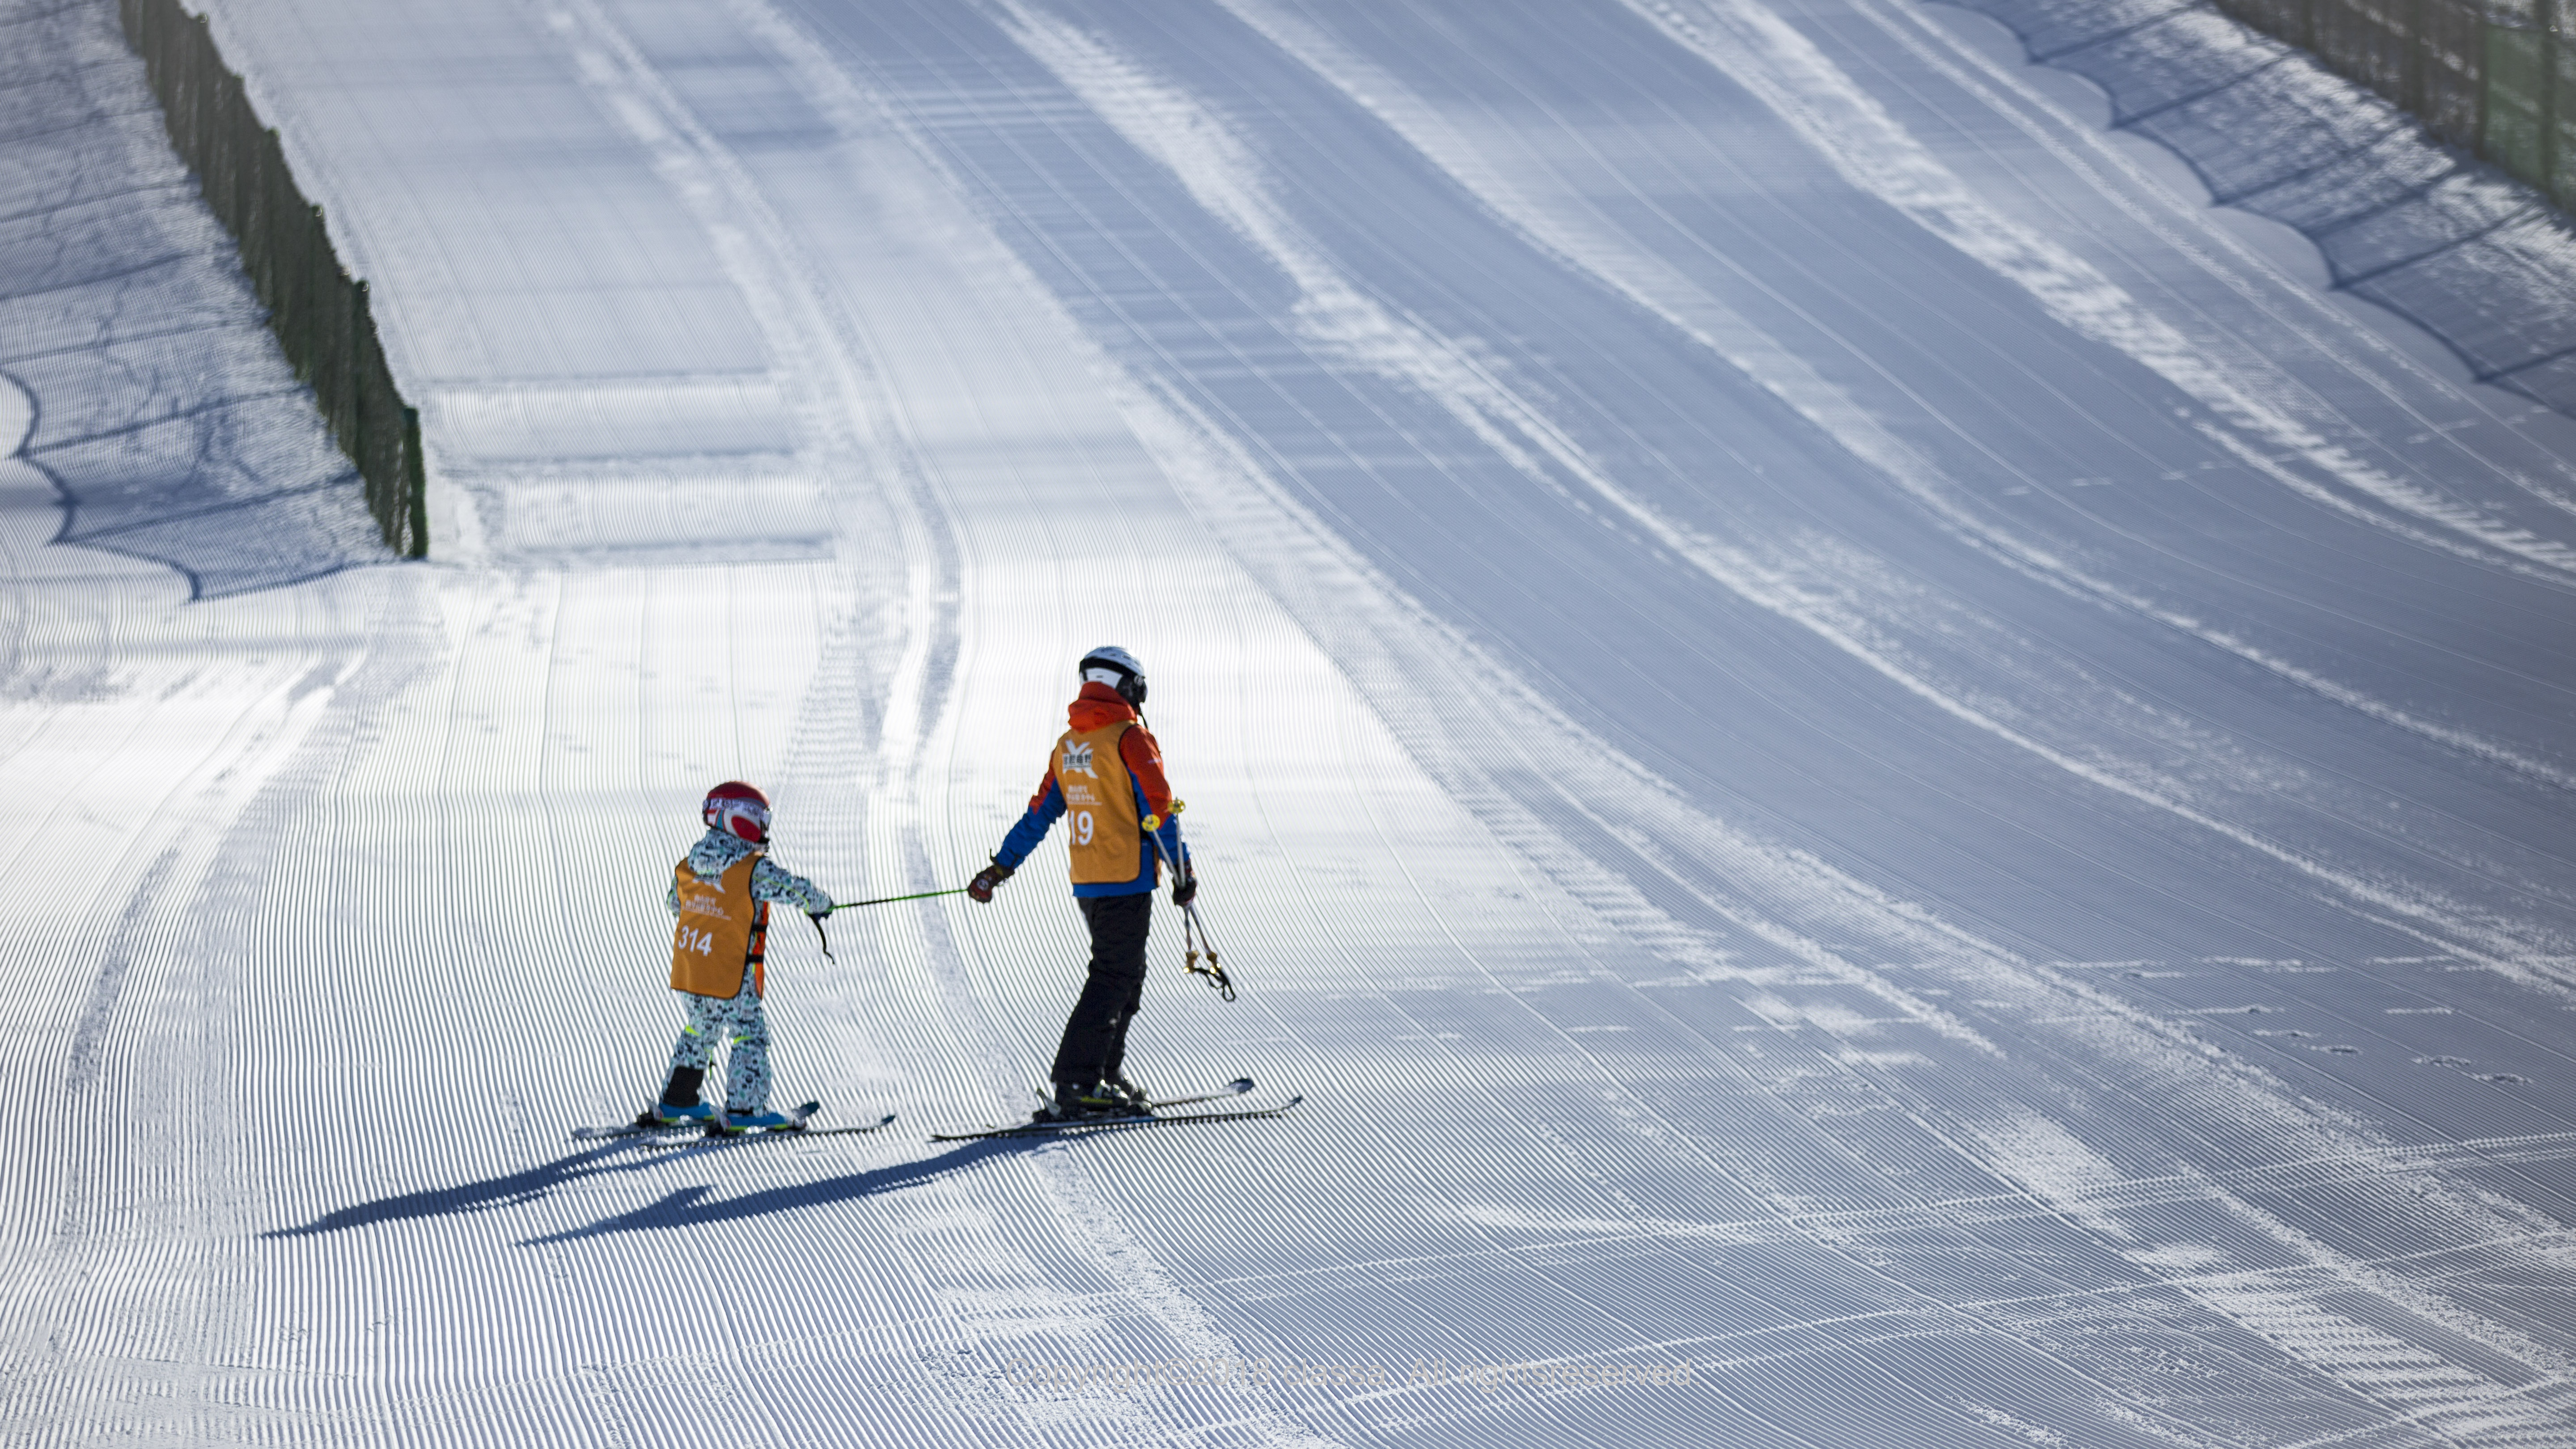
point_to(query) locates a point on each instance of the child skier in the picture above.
(1107, 770)
(720, 894)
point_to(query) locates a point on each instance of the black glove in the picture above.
(980, 889)
(1186, 888)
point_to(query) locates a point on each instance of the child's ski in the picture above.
(723, 1129)
(700, 1127)
(717, 1134)
(635, 1129)
(878, 1125)
(1111, 1124)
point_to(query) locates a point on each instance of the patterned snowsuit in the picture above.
(737, 1017)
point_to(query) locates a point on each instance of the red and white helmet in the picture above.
(739, 810)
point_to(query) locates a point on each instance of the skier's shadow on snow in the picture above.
(683, 1208)
(516, 1189)
(688, 1207)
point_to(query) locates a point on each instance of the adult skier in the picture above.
(720, 894)
(1107, 773)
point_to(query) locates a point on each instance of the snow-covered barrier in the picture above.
(319, 311)
(137, 373)
(2484, 262)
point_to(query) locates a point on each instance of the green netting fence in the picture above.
(2497, 77)
(318, 310)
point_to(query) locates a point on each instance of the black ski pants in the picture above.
(1095, 1036)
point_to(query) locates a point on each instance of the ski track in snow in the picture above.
(1576, 231)
(1223, 175)
(1761, 52)
(2216, 1098)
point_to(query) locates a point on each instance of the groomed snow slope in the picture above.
(1845, 745)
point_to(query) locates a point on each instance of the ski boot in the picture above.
(1080, 1102)
(738, 1123)
(1116, 1085)
(679, 1105)
(1064, 1106)
(676, 1114)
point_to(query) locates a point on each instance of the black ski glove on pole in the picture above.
(980, 889)
(1185, 887)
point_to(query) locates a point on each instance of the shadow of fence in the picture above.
(2402, 211)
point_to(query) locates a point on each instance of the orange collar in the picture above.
(1097, 707)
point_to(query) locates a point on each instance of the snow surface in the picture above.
(1841, 743)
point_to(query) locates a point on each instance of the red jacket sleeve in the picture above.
(1144, 760)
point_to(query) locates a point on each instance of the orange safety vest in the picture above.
(721, 930)
(1099, 804)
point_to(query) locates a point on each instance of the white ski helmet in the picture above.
(739, 811)
(1115, 667)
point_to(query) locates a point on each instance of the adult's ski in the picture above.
(1228, 1092)
(1084, 1125)
(1235, 1088)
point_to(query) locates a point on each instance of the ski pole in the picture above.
(889, 900)
(817, 916)
(1193, 930)
(1214, 973)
